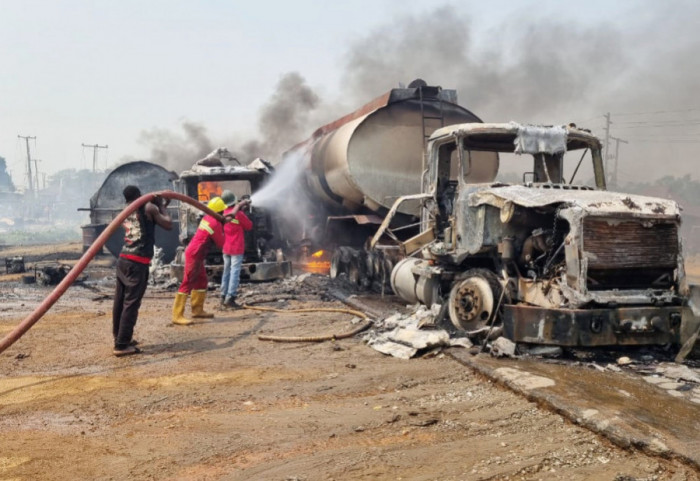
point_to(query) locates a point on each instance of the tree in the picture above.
(6, 184)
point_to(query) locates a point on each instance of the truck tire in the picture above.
(473, 299)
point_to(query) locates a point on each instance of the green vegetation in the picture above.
(52, 235)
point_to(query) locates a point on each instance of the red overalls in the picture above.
(195, 277)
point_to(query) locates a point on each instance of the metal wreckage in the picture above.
(551, 259)
(263, 258)
(569, 264)
(403, 192)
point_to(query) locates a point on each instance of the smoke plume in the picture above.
(284, 119)
(529, 68)
(532, 68)
(177, 151)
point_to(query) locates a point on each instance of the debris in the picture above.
(402, 335)
(393, 348)
(461, 342)
(503, 347)
(14, 265)
(624, 361)
(678, 372)
(158, 271)
(597, 367)
(51, 275)
(301, 278)
(543, 351)
(420, 339)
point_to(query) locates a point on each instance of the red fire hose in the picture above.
(51, 299)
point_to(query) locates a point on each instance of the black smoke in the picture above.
(177, 150)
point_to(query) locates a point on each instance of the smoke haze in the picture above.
(529, 68)
(177, 151)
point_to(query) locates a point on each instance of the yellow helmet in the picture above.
(217, 205)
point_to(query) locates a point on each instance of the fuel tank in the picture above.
(367, 159)
(108, 202)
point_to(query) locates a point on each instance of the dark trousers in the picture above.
(132, 280)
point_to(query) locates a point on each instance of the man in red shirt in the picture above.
(234, 247)
(195, 280)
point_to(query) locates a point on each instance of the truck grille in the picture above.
(629, 253)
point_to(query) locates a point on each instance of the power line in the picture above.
(658, 112)
(661, 123)
(94, 153)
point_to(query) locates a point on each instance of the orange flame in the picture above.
(208, 190)
(318, 265)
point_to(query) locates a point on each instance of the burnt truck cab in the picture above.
(555, 262)
(263, 258)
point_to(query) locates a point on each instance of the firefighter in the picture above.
(195, 280)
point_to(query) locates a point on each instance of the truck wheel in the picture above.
(473, 299)
(336, 265)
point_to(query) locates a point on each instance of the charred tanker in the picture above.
(556, 262)
(405, 190)
(263, 259)
(108, 202)
(356, 167)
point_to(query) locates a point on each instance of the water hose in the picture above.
(327, 337)
(96, 246)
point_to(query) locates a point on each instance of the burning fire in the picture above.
(318, 263)
(208, 190)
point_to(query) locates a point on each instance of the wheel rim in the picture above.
(471, 303)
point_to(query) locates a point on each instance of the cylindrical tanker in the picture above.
(369, 158)
(108, 202)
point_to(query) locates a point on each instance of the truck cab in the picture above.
(263, 258)
(556, 262)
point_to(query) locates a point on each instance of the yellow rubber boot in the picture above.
(179, 310)
(198, 311)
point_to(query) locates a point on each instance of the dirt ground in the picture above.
(212, 402)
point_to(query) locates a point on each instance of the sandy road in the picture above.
(211, 402)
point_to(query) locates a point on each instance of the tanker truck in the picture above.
(357, 166)
(405, 190)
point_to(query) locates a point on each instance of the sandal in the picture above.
(126, 351)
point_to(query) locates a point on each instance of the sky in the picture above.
(159, 79)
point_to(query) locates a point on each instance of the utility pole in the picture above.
(94, 153)
(617, 157)
(29, 161)
(607, 143)
(36, 173)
